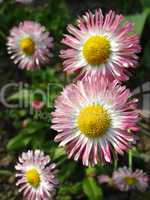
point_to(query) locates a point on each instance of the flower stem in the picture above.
(130, 159)
(115, 164)
(2, 35)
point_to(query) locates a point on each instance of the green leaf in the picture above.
(59, 151)
(67, 170)
(91, 189)
(146, 55)
(145, 3)
(138, 20)
(5, 172)
(18, 142)
(22, 94)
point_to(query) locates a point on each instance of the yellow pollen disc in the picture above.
(27, 45)
(93, 121)
(33, 177)
(130, 180)
(96, 50)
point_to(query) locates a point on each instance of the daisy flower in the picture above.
(92, 118)
(36, 176)
(37, 104)
(29, 44)
(100, 45)
(125, 179)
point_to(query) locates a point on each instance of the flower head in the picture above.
(36, 176)
(29, 44)
(37, 104)
(100, 45)
(125, 179)
(93, 116)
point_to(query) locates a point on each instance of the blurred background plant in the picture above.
(21, 129)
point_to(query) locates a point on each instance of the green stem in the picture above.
(115, 164)
(5, 172)
(2, 35)
(130, 159)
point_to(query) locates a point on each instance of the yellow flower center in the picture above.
(96, 50)
(33, 177)
(27, 45)
(93, 121)
(130, 180)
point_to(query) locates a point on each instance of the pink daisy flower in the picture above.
(29, 45)
(100, 45)
(92, 118)
(36, 176)
(37, 104)
(125, 179)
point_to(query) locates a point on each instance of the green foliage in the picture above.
(146, 55)
(91, 189)
(19, 142)
(145, 3)
(139, 21)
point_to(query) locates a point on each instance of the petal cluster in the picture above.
(115, 54)
(29, 45)
(115, 100)
(36, 176)
(126, 179)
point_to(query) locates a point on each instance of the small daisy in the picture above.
(37, 104)
(125, 179)
(100, 45)
(36, 176)
(92, 118)
(29, 45)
